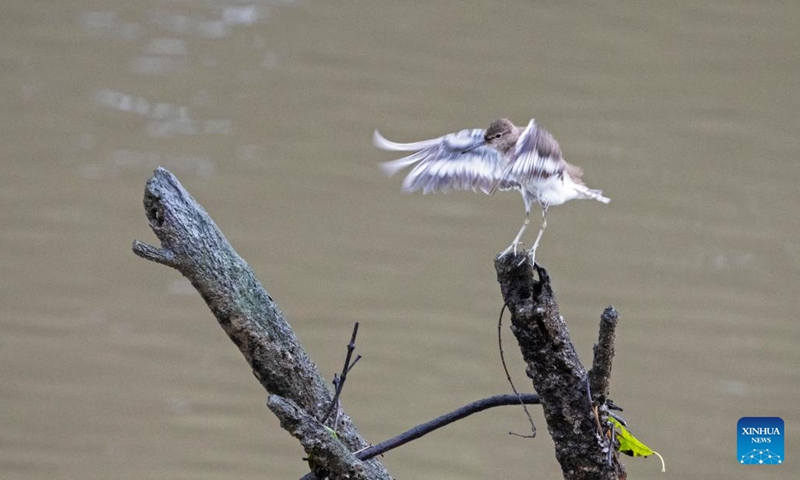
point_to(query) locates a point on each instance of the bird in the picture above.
(501, 157)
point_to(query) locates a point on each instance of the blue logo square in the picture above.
(759, 441)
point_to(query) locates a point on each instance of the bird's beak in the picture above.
(477, 145)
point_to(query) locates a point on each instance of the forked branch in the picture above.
(582, 444)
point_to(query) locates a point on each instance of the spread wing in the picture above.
(536, 157)
(451, 162)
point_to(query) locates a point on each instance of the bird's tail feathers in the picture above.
(592, 194)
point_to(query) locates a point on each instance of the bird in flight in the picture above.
(502, 157)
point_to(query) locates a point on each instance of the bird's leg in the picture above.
(514, 244)
(532, 251)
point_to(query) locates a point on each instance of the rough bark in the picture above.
(573, 401)
(583, 445)
(600, 374)
(326, 455)
(193, 244)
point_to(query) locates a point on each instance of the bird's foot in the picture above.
(532, 256)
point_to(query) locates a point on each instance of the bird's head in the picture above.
(502, 135)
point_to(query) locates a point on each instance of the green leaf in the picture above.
(630, 445)
(332, 432)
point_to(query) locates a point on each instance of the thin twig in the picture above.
(343, 376)
(508, 375)
(455, 415)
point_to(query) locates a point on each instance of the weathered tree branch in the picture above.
(442, 421)
(573, 401)
(326, 453)
(581, 443)
(600, 374)
(193, 244)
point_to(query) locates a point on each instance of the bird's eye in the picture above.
(498, 135)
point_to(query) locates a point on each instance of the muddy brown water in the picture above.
(685, 114)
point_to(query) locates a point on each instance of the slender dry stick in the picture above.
(343, 376)
(508, 375)
(442, 421)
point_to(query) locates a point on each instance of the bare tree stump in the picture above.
(584, 446)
